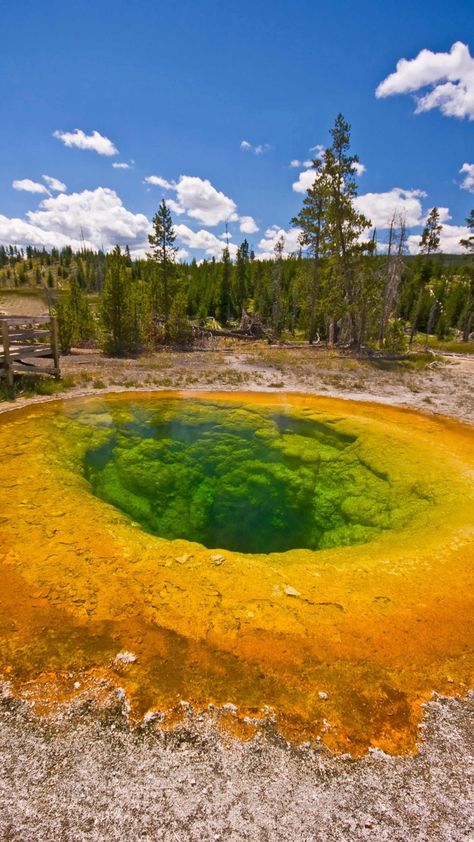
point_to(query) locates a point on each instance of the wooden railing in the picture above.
(23, 340)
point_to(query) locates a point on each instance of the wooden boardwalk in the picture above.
(23, 341)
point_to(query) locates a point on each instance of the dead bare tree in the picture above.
(393, 271)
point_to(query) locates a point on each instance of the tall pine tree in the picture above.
(163, 253)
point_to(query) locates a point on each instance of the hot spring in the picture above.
(302, 559)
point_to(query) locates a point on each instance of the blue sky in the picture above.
(177, 87)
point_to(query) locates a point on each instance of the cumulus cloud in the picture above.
(305, 181)
(54, 184)
(175, 207)
(98, 216)
(448, 78)
(203, 240)
(199, 199)
(29, 186)
(248, 225)
(272, 236)
(449, 240)
(467, 170)
(379, 208)
(120, 165)
(15, 231)
(444, 215)
(245, 145)
(203, 202)
(80, 140)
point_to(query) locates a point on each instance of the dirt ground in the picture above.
(88, 776)
(443, 386)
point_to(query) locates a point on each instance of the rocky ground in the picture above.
(90, 777)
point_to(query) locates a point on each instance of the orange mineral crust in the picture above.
(337, 642)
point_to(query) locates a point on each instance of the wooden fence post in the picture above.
(55, 345)
(7, 363)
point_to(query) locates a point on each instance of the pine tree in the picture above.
(241, 277)
(429, 244)
(115, 306)
(225, 303)
(311, 220)
(333, 231)
(163, 253)
(277, 274)
(344, 230)
(75, 321)
(468, 244)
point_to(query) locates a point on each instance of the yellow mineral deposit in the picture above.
(340, 643)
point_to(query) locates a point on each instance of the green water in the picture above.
(248, 479)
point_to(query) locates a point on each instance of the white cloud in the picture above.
(444, 215)
(318, 149)
(307, 176)
(449, 240)
(379, 208)
(467, 170)
(272, 235)
(29, 186)
(248, 225)
(97, 215)
(203, 240)
(175, 207)
(158, 181)
(120, 165)
(54, 184)
(95, 141)
(449, 77)
(296, 164)
(201, 201)
(305, 181)
(259, 149)
(15, 231)
(359, 168)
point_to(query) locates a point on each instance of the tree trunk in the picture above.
(416, 315)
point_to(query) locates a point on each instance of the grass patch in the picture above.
(413, 362)
(27, 385)
(452, 346)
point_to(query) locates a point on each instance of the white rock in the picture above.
(125, 658)
(291, 591)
